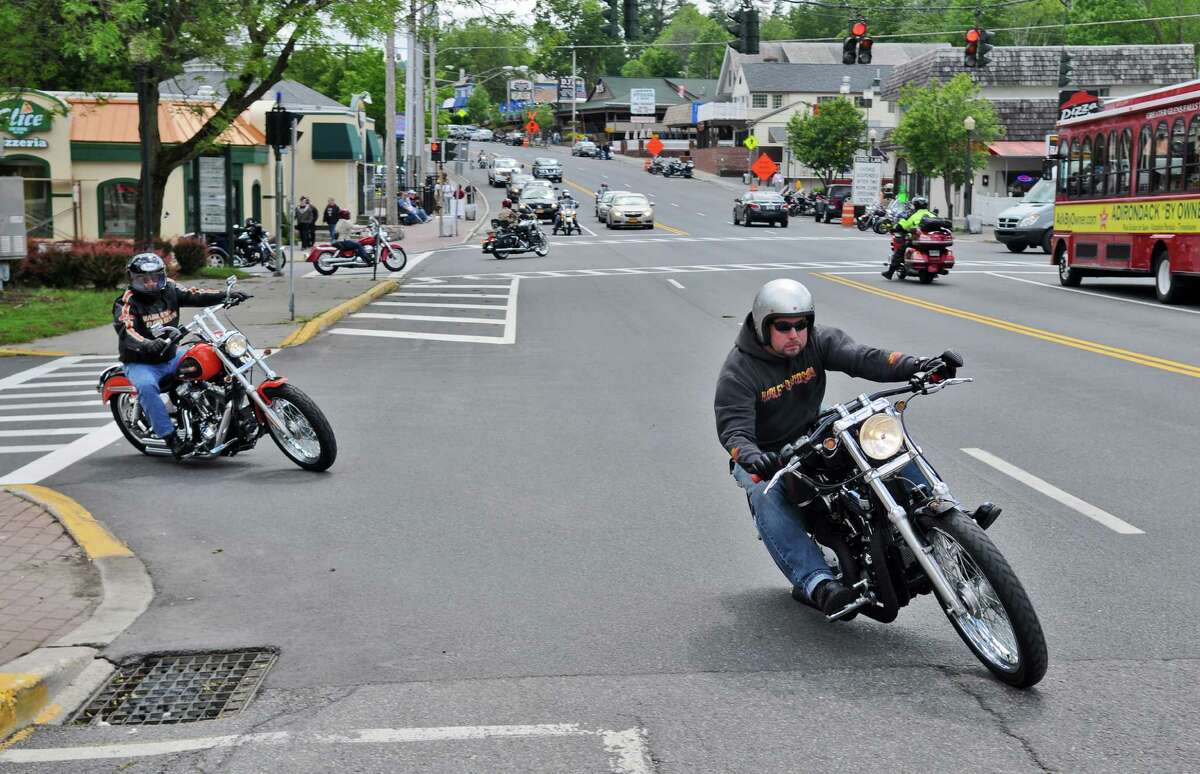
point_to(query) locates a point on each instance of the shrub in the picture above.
(49, 264)
(103, 264)
(191, 253)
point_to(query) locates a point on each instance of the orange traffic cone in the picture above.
(847, 213)
(753, 186)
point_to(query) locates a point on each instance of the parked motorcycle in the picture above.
(927, 253)
(798, 204)
(657, 165)
(896, 212)
(327, 259)
(896, 532)
(526, 236)
(251, 247)
(870, 218)
(678, 168)
(217, 409)
(566, 219)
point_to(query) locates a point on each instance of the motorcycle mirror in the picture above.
(231, 281)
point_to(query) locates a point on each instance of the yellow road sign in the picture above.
(750, 142)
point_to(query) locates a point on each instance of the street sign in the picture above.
(641, 119)
(868, 176)
(764, 166)
(462, 113)
(532, 127)
(750, 142)
(641, 102)
(655, 145)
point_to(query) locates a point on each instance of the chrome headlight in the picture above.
(1028, 220)
(881, 436)
(235, 345)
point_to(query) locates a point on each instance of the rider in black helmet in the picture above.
(153, 300)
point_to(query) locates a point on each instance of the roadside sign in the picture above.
(532, 127)
(655, 145)
(868, 177)
(750, 142)
(764, 167)
(462, 113)
(641, 102)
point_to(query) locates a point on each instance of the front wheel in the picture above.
(307, 437)
(396, 259)
(275, 259)
(323, 264)
(1016, 247)
(541, 247)
(998, 624)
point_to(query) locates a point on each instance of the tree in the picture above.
(931, 134)
(654, 63)
(827, 140)
(340, 73)
(563, 23)
(481, 109)
(470, 46)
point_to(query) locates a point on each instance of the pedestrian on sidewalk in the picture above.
(777, 181)
(306, 222)
(332, 214)
(447, 191)
(460, 202)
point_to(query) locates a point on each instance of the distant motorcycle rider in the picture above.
(905, 227)
(769, 392)
(153, 300)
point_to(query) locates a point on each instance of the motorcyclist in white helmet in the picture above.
(768, 393)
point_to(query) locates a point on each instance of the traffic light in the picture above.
(856, 49)
(449, 151)
(631, 20)
(612, 26)
(984, 57)
(971, 53)
(744, 29)
(1066, 72)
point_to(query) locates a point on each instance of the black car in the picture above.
(547, 169)
(516, 183)
(761, 207)
(542, 201)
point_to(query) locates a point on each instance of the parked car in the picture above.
(831, 209)
(760, 207)
(547, 169)
(516, 183)
(502, 169)
(482, 135)
(604, 201)
(1029, 223)
(516, 138)
(585, 148)
(499, 135)
(632, 210)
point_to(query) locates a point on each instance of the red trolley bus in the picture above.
(1128, 198)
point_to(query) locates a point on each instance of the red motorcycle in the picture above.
(327, 259)
(927, 252)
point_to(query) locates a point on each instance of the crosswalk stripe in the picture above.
(427, 318)
(67, 394)
(434, 305)
(26, 385)
(41, 431)
(55, 417)
(52, 404)
(29, 449)
(416, 335)
(446, 295)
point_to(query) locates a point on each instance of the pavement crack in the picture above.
(1001, 722)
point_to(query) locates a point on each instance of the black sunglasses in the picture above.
(784, 327)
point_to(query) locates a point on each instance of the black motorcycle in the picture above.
(896, 532)
(657, 165)
(251, 247)
(678, 168)
(525, 236)
(798, 204)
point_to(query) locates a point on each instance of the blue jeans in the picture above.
(145, 377)
(351, 244)
(781, 525)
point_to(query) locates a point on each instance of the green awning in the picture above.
(336, 142)
(374, 149)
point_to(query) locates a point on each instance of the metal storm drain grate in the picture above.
(178, 688)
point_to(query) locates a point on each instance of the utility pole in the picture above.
(433, 105)
(410, 54)
(574, 65)
(418, 95)
(389, 124)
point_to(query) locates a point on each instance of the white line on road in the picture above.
(673, 204)
(628, 751)
(38, 432)
(701, 214)
(676, 284)
(445, 295)
(1054, 493)
(1155, 305)
(53, 404)
(25, 385)
(455, 286)
(28, 449)
(67, 455)
(67, 394)
(426, 318)
(430, 304)
(53, 417)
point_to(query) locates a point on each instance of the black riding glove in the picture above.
(156, 347)
(237, 297)
(760, 463)
(944, 366)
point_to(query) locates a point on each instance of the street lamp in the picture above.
(357, 102)
(969, 125)
(873, 135)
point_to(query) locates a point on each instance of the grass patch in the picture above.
(217, 273)
(33, 313)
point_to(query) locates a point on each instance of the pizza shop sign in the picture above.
(20, 118)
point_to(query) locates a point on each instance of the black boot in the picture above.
(887, 273)
(831, 596)
(178, 447)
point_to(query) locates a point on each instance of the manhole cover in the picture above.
(178, 688)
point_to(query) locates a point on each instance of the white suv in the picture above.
(502, 169)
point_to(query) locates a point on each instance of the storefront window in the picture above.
(118, 207)
(39, 221)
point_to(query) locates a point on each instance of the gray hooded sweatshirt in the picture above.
(765, 401)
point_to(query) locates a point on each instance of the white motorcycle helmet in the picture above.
(780, 298)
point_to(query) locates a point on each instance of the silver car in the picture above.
(634, 210)
(547, 169)
(603, 202)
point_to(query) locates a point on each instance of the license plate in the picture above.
(935, 252)
(631, 220)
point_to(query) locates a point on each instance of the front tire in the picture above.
(309, 441)
(1047, 247)
(276, 259)
(1000, 626)
(1016, 247)
(396, 259)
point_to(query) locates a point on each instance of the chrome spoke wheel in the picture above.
(134, 419)
(297, 434)
(984, 621)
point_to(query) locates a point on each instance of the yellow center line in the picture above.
(657, 224)
(1173, 366)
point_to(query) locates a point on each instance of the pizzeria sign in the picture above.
(20, 118)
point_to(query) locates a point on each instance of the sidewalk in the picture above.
(47, 585)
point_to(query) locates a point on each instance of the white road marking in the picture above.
(52, 417)
(454, 286)
(673, 204)
(628, 750)
(1164, 307)
(25, 385)
(434, 305)
(28, 449)
(676, 284)
(1054, 493)
(33, 373)
(53, 404)
(426, 318)
(701, 214)
(38, 432)
(952, 272)
(67, 394)
(445, 295)
(63, 457)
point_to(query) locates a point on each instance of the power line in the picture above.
(859, 7)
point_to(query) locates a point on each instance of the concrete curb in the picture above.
(29, 684)
(21, 352)
(327, 318)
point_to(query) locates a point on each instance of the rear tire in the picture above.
(1168, 288)
(783, 223)
(277, 259)
(321, 432)
(1031, 655)
(1067, 277)
(322, 267)
(1016, 247)
(120, 405)
(926, 277)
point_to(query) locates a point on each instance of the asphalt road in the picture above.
(529, 543)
